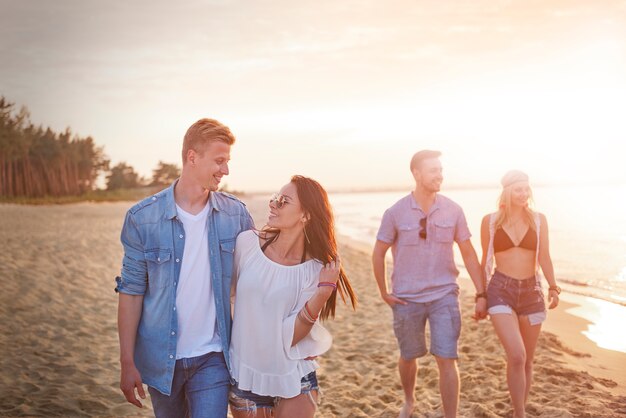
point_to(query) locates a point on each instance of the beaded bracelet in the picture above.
(329, 284)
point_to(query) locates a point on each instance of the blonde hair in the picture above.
(504, 201)
(419, 157)
(202, 133)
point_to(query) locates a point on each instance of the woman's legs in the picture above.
(258, 413)
(301, 406)
(507, 328)
(530, 335)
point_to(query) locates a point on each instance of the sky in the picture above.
(342, 91)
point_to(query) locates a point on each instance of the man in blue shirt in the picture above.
(174, 290)
(421, 229)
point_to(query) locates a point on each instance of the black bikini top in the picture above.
(502, 241)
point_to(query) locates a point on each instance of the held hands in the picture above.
(129, 380)
(480, 310)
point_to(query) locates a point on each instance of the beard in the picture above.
(433, 186)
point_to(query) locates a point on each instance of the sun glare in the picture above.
(606, 318)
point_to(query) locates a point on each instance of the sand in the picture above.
(60, 351)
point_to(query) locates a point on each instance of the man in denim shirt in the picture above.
(421, 229)
(174, 290)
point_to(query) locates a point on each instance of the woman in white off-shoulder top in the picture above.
(286, 277)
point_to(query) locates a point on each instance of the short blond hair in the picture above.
(419, 157)
(202, 133)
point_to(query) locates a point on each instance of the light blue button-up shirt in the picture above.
(423, 269)
(153, 240)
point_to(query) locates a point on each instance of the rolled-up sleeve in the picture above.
(387, 230)
(133, 280)
(462, 232)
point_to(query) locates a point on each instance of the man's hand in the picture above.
(392, 300)
(129, 380)
(480, 310)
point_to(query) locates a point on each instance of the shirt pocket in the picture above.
(159, 264)
(444, 232)
(408, 234)
(227, 250)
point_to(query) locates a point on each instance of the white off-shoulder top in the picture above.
(268, 297)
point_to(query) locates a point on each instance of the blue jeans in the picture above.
(199, 389)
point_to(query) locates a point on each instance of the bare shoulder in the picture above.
(487, 219)
(542, 218)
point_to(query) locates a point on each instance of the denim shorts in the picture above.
(444, 320)
(506, 295)
(244, 400)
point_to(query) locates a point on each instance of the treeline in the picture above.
(37, 162)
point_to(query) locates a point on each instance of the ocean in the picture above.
(587, 228)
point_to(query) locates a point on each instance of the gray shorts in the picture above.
(444, 319)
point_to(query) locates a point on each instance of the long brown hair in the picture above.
(321, 244)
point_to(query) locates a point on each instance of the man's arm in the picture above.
(131, 286)
(380, 273)
(128, 315)
(470, 259)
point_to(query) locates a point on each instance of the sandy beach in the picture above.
(59, 338)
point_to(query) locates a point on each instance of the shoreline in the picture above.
(580, 352)
(57, 271)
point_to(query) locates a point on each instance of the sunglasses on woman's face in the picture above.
(279, 200)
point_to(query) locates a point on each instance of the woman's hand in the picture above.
(330, 274)
(480, 310)
(553, 298)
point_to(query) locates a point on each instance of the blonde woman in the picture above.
(516, 237)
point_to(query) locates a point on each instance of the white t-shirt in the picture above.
(267, 301)
(195, 304)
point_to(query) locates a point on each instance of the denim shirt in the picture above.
(153, 238)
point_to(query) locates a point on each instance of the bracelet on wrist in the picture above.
(557, 289)
(328, 284)
(480, 295)
(308, 312)
(304, 317)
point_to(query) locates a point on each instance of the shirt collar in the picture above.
(433, 208)
(170, 202)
